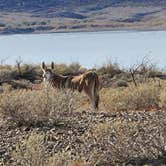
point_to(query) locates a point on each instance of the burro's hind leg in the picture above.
(96, 102)
(95, 94)
(92, 95)
(89, 94)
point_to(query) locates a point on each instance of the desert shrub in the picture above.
(5, 88)
(120, 83)
(74, 67)
(30, 151)
(65, 159)
(60, 159)
(29, 72)
(107, 141)
(163, 98)
(110, 68)
(131, 98)
(32, 107)
(7, 72)
(122, 141)
(67, 69)
(33, 72)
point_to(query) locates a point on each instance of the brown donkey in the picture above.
(87, 82)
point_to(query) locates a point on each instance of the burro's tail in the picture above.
(96, 88)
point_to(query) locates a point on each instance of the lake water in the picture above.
(90, 49)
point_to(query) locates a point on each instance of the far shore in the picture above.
(117, 29)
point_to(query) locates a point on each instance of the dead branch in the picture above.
(18, 64)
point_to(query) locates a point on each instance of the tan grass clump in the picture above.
(30, 151)
(32, 107)
(163, 98)
(65, 159)
(114, 142)
(131, 98)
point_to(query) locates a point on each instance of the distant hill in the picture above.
(38, 16)
(21, 5)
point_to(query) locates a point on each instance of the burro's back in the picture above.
(87, 82)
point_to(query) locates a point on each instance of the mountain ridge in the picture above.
(43, 16)
(20, 5)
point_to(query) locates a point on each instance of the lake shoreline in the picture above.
(88, 31)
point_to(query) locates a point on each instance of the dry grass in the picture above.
(33, 72)
(162, 103)
(32, 107)
(30, 151)
(122, 140)
(135, 139)
(143, 97)
(56, 127)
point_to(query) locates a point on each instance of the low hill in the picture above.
(38, 16)
(37, 4)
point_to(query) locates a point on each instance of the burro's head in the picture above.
(47, 72)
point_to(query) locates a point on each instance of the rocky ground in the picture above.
(133, 138)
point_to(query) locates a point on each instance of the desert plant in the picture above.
(125, 141)
(145, 96)
(110, 68)
(65, 159)
(32, 107)
(30, 151)
(163, 98)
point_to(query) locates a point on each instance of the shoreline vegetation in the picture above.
(123, 30)
(13, 31)
(49, 127)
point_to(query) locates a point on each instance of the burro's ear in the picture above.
(52, 65)
(43, 66)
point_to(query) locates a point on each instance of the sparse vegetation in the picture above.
(31, 151)
(35, 107)
(57, 127)
(41, 126)
(145, 96)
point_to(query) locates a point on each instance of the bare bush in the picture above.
(32, 107)
(141, 72)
